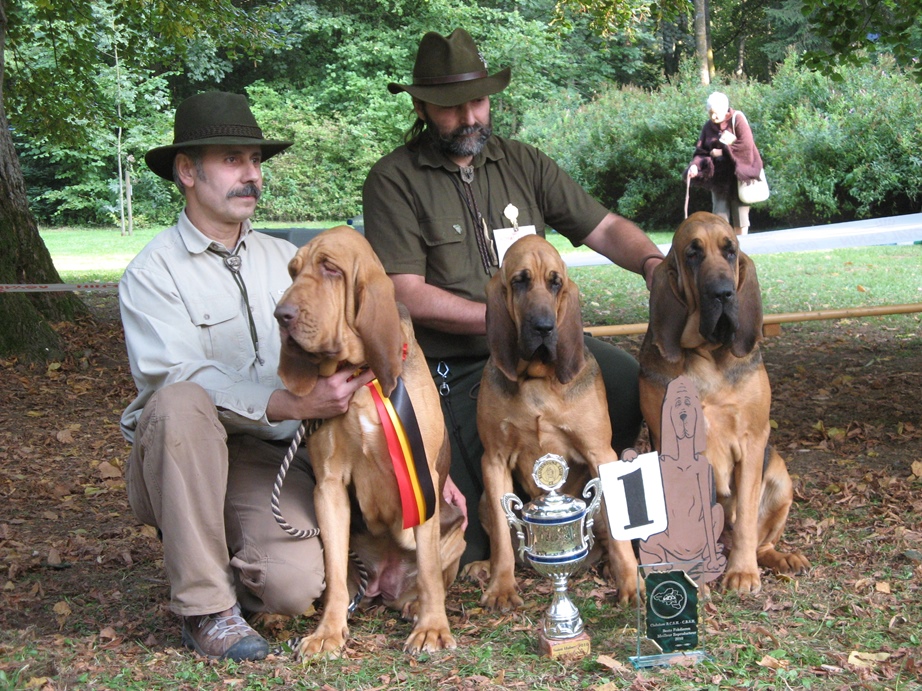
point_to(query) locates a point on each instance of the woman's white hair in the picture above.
(718, 102)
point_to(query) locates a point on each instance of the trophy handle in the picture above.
(592, 489)
(511, 503)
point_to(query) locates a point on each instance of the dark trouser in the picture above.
(458, 389)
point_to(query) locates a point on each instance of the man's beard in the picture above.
(459, 143)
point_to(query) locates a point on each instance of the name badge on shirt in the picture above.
(506, 236)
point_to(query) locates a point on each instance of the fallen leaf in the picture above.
(859, 659)
(108, 634)
(917, 468)
(62, 608)
(862, 289)
(106, 470)
(608, 661)
(64, 436)
(882, 587)
(54, 559)
(772, 663)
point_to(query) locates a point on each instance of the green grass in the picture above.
(791, 282)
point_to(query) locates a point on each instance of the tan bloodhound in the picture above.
(706, 324)
(340, 311)
(541, 392)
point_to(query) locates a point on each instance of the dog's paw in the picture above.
(742, 581)
(430, 639)
(477, 571)
(788, 563)
(322, 644)
(501, 599)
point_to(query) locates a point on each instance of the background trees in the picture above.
(607, 86)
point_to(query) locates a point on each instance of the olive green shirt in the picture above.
(418, 222)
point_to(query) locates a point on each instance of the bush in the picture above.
(832, 151)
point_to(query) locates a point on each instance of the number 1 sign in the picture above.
(634, 496)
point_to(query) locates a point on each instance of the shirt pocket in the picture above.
(223, 329)
(452, 257)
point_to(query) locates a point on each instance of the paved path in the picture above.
(876, 231)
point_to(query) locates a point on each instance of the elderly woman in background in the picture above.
(725, 153)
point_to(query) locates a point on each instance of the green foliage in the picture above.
(853, 29)
(832, 151)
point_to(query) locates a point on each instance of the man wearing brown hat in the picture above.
(212, 421)
(440, 210)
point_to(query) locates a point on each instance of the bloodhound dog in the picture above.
(706, 324)
(541, 392)
(340, 311)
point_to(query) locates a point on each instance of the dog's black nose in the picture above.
(285, 313)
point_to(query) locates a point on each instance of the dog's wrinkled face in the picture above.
(533, 316)
(314, 314)
(709, 275)
(340, 310)
(534, 283)
(706, 294)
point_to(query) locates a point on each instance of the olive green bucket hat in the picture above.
(449, 71)
(213, 118)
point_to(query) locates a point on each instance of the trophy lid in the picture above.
(550, 473)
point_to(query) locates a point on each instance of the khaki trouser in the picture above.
(209, 494)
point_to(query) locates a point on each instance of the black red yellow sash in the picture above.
(405, 445)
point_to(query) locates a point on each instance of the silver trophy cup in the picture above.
(555, 536)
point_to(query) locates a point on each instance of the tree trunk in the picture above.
(702, 47)
(24, 317)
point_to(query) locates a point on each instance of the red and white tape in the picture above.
(54, 287)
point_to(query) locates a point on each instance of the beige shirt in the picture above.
(185, 320)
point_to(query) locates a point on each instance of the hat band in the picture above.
(210, 131)
(450, 79)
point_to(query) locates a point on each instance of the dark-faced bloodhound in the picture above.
(340, 311)
(706, 324)
(541, 392)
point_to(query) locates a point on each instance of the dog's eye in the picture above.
(555, 282)
(330, 269)
(520, 280)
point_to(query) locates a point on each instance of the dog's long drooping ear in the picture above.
(668, 310)
(571, 354)
(377, 322)
(749, 299)
(502, 336)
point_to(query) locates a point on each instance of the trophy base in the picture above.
(557, 648)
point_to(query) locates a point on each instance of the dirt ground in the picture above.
(76, 565)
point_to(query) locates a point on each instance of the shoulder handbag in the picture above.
(751, 192)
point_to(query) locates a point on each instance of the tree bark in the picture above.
(24, 317)
(702, 48)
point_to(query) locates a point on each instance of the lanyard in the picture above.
(233, 262)
(481, 230)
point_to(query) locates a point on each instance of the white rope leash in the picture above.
(308, 427)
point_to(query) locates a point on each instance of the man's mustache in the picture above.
(248, 190)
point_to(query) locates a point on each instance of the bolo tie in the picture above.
(481, 231)
(233, 262)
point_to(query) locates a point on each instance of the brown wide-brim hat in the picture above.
(449, 71)
(213, 118)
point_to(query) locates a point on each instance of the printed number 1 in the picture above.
(636, 499)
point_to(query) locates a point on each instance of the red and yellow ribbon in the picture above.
(408, 455)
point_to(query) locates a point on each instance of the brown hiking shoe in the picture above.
(223, 636)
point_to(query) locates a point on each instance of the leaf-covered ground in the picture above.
(83, 596)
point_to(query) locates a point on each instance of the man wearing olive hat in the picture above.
(212, 421)
(440, 210)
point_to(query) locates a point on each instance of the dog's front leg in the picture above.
(431, 631)
(331, 501)
(501, 593)
(742, 568)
